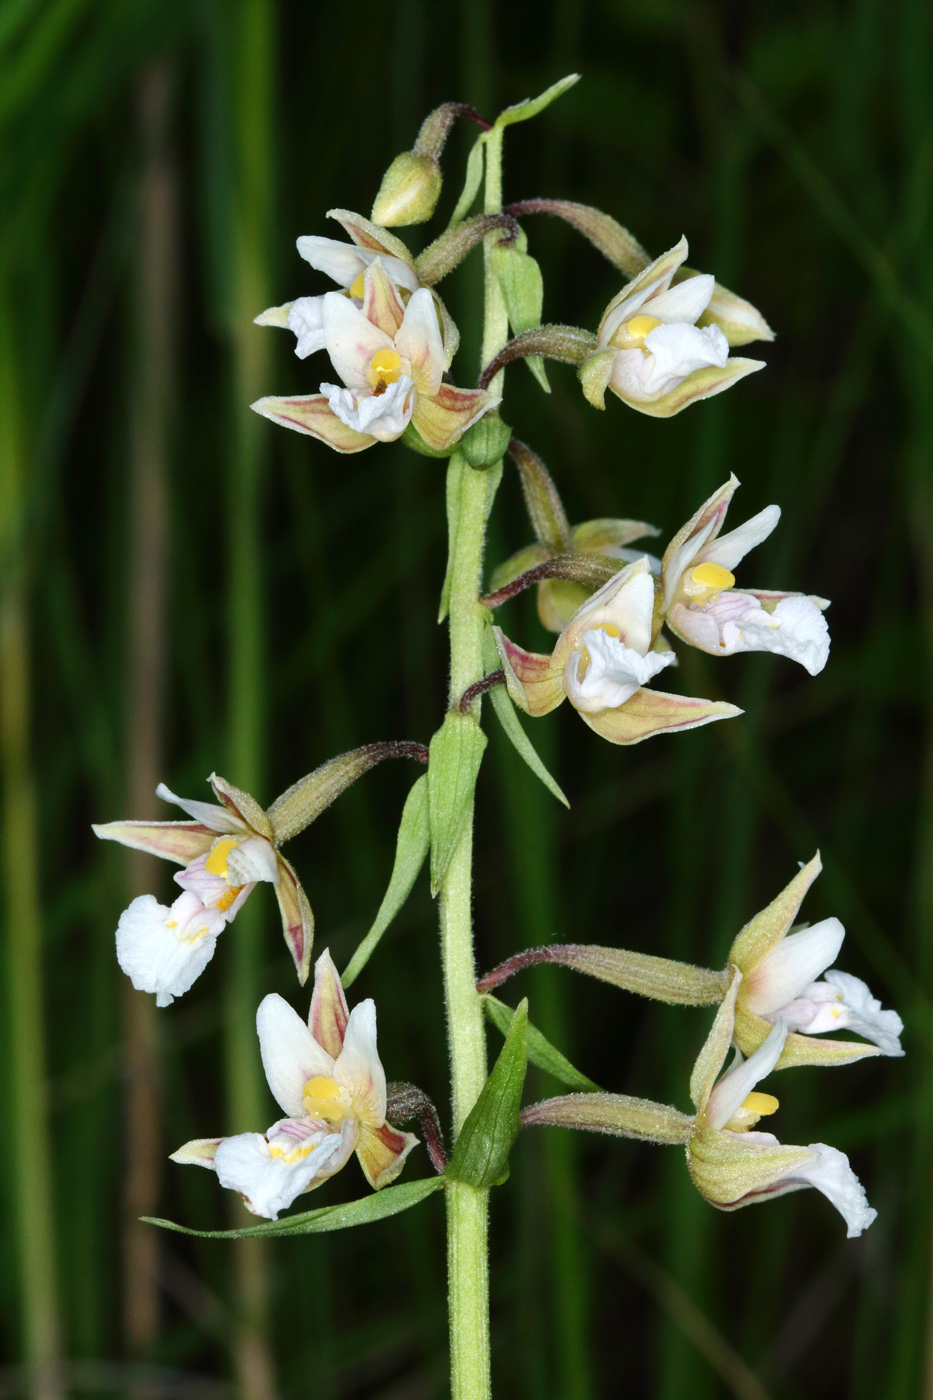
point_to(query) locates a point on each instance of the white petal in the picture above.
(274, 315)
(398, 272)
(358, 1068)
(742, 1076)
(384, 416)
(419, 340)
(351, 340)
(626, 602)
(729, 550)
(614, 674)
(684, 302)
(269, 1182)
(164, 950)
(338, 260)
(251, 860)
(290, 1054)
(675, 351)
(796, 962)
(843, 1002)
(209, 814)
(832, 1174)
(306, 319)
(734, 622)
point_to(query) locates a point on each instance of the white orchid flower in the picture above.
(702, 607)
(327, 1078)
(780, 967)
(226, 850)
(733, 1166)
(345, 264)
(651, 352)
(391, 359)
(602, 663)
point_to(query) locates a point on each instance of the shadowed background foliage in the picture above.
(185, 587)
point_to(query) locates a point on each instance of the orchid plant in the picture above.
(662, 345)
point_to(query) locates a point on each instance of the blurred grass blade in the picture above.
(414, 838)
(379, 1206)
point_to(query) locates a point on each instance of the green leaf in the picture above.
(523, 292)
(411, 847)
(456, 754)
(505, 713)
(481, 1155)
(474, 178)
(454, 482)
(522, 111)
(379, 1206)
(540, 1050)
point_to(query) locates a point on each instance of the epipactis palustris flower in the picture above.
(603, 662)
(698, 601)
(226, 849)
(734, 1165)
(780, 968)
(391, 358)
(327, 1078)
(651, 353)
(345, 264)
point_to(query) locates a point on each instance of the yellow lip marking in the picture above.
(358, 288)
(322, 1099)
(631, 334)
(227, 898)
(755, 1106)
(216, 863)
(385, 368)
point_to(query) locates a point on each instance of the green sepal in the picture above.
(505, 714)
(540, 1050)
(486, 442)
(413, 439)
(482, 1152)
(474, 178)
(379, 1206)
(411, 847)
(523, 292)
(523, 111)
(452, 488)
(456, 754)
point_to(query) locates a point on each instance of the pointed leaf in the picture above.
(523, 292)
(390, 1201)
(522, 111)
(481, 1154)
(414, 838)
(505, 713)
(540, 1050)
(454, 482)
(456, 754)
(474, 178)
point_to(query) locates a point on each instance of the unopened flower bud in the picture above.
(409, 191)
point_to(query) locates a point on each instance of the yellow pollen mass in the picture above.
(359, 286)
(385, 366)
(216, 863)
(763, 1105)
(322, 1099)
(712, 576)
(631, 334)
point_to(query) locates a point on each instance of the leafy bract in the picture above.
(481, 1155)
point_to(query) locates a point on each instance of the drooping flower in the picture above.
(701, 606)
(327, 1078)
(603, 662)
(780, 967)
(225, 850)
(391, 358)
(651, 352)
(733, 1166)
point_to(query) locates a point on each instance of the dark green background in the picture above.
(792, 144)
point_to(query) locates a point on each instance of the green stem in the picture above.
(467, 1208)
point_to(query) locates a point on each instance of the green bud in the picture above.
(486, 442)
(409, 191)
